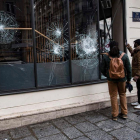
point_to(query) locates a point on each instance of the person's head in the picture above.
(136, 43)
(114, 49)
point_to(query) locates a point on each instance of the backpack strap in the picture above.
(122, 55)
(108, 55)
(119, 57)
(105, 54)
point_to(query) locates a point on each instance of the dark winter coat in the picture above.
(135, 60)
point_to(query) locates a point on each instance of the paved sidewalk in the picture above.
(93, 125)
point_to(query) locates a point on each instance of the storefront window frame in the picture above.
(36, 89)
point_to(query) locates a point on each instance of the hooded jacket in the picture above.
(135, 60)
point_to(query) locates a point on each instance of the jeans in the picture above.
(116, 88)
(138, 88)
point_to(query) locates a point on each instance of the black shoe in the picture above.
(122, 116)
(114, 118)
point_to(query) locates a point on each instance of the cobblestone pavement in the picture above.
(93, 125)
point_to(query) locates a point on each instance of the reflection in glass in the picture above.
(104, 37)
(105, 20)
(51, 27)
(16, 49)
(84, 40)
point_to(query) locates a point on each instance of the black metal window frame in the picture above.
(36, 89)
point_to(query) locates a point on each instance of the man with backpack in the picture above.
(116, 67)
(136, 68)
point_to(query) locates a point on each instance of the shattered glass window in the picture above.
(16, 47)
(60, 52)
(52, 42)
(84, 40)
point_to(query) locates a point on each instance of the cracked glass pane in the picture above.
(52, 42)
(84, 40)
(16, 47)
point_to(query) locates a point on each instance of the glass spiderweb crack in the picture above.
(87, 50)
(58, 50)
(58, 32)
(7, 21)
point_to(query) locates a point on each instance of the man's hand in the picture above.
(136, 78)
(128, 45)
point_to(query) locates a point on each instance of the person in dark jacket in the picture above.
(135, 53)
(117, 85)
